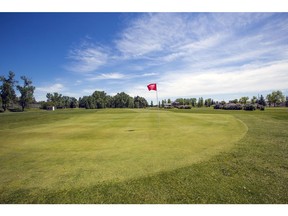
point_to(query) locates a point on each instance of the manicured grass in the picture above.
(144, 156)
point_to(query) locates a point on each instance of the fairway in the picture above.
(64, 149)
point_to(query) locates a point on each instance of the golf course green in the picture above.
(67, 150)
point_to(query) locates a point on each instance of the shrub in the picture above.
(184, 107)
(261, 107)
(218, 106)
(249, 107)
(232, 106)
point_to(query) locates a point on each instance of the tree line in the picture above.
(276, 98)
(98, 100)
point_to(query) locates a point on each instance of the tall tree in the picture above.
(269, 99)
(73, 102)
(123, 100)
(208, 102)
(200, 102)
(140, 102)
(234, 101)
(100, 98)
(7, 91)
(276, 97)
(55, 98)
(262, 101)
(193, 102)
(26, 91)
(254, 100)
(243, 100)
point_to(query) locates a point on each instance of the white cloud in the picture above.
(40, 92)
(149, 74)
(106, 76)
(51, 88)
(86, 58)
(151, 33)
(269, 77)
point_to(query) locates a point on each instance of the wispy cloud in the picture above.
(151, 33)
(51, 88)
(86, 58)
(241, 80)
(107, 76)
(41, 91)
(149, 74)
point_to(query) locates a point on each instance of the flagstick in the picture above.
(158, 107)
(157, 98)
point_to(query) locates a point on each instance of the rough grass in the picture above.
(253, 169)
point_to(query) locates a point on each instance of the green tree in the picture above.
(193, 102)
(254, 100)
(278, 97)
(234, 101)
(243, 100)
(208, 102)
(7, 91)
(73, 102)
(100, 98)
(55, 99)
(123, 100)
(91, 103)
(269, 99)
(162, 103)
(130, 102)
(200, 102)
(262, 101)
(26, 91)
(83, 102)
(140, 102)
(110, 101)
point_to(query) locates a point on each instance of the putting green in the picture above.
(85, 148)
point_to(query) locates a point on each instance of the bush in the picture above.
(218, 106)
(46, 105)
(184, 107)
(261, 107)
(249, 107)
(17, 109)
(232, 106)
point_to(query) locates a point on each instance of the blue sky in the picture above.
(218, 55)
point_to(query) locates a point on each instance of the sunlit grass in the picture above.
(144, 156)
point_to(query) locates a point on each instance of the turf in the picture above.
(144, 156)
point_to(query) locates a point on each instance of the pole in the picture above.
(158, 106)
(157, 98)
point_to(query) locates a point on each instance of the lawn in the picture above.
(144, 156)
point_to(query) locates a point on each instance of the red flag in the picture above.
(152, 86)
